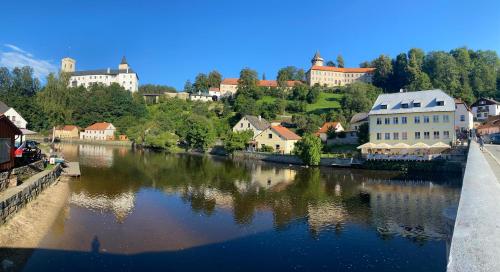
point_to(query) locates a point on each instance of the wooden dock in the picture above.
(71, 169)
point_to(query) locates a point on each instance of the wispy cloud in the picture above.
(14, 56)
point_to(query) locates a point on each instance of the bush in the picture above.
(237, 140)
(266, 148)
(309, 149)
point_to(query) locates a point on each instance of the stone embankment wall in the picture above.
(29, 170)
(14, 198)
(94, 142)
(290, 159)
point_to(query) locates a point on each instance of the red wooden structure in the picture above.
(8, 133)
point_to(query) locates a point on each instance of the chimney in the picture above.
(127, 70)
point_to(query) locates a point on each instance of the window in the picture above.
(435, 118)
(440, 103)
(395, 136)
(248, 125)
(13, 117)
(270, 136)
(416, 104)
(387, 136)
(379, 121)
(404, 135)
(387, 121)
(417, 135)
(277, 147)
(379, 136)
(426, 119)
(462, 118)
(404, 105)
(395, 120)
(5, 149)
(427, 135)
(436, 134)
(446, 135)
(417, 120)
(446, 118)
(241, 125)
(404, 120)
(383, 106)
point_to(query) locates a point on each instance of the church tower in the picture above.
(68, 65)
(123, 64)
(317, 60)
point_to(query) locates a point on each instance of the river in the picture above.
(147, 211)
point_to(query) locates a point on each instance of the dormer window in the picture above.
(383, 106)
(416, 104)
(440, 103)
(404, 105)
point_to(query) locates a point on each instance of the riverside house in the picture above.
(8, 133)
(411, 123)
(67, 131)
(491, 126)
(484, 108)
(323, 131)
(281, 139)
(464, 119)
(99, 131)
(257, 124)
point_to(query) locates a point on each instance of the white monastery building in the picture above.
(124, 75)
(99, 131)
(336, 76)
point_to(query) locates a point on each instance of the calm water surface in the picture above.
(144, 211)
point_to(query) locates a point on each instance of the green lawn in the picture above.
(326, 102)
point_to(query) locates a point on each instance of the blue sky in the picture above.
(169, 42)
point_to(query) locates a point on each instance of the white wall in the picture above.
(16, 118)
(464, 119)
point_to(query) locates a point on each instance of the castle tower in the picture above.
(68, 65)
(123, 64)
(317, 60)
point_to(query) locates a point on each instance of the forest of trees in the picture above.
(462, 72)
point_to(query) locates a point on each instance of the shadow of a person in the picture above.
(95, 245)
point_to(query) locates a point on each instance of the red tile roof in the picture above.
(343, 70)
(213, 89)
(230, 81)
(324, 128)
(98, 126)
(262, 83)
(493, 121)
(68, 127)
(285, 133)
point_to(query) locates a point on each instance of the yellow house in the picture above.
(281, 139)
(425, 117)
(67, 131)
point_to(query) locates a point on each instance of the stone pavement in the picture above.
(493, 157)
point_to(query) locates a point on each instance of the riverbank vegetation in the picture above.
(174, 123)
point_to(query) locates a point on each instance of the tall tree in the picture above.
(383, 72)
(188, 87)
(340, 61)
(201, 83)
(214, 79)
(400, 72)
(417, 79)
(330, 63)
(443, 71)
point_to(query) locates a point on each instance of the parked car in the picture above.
(27, 152)
(495, 139)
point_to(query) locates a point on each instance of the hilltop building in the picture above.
(335, 76)
(124, 75)
(229, 86)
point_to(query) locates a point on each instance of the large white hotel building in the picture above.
(124, 75)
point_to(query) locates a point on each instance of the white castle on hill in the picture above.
(124, 75)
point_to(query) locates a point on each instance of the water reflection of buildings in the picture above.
(269, 178)
(120, 205)
(326, 215)
(410, 209)
(95, 155)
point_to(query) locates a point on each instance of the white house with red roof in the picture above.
(336, 76)
(99, 131)
(281, 139)
(323, 131)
